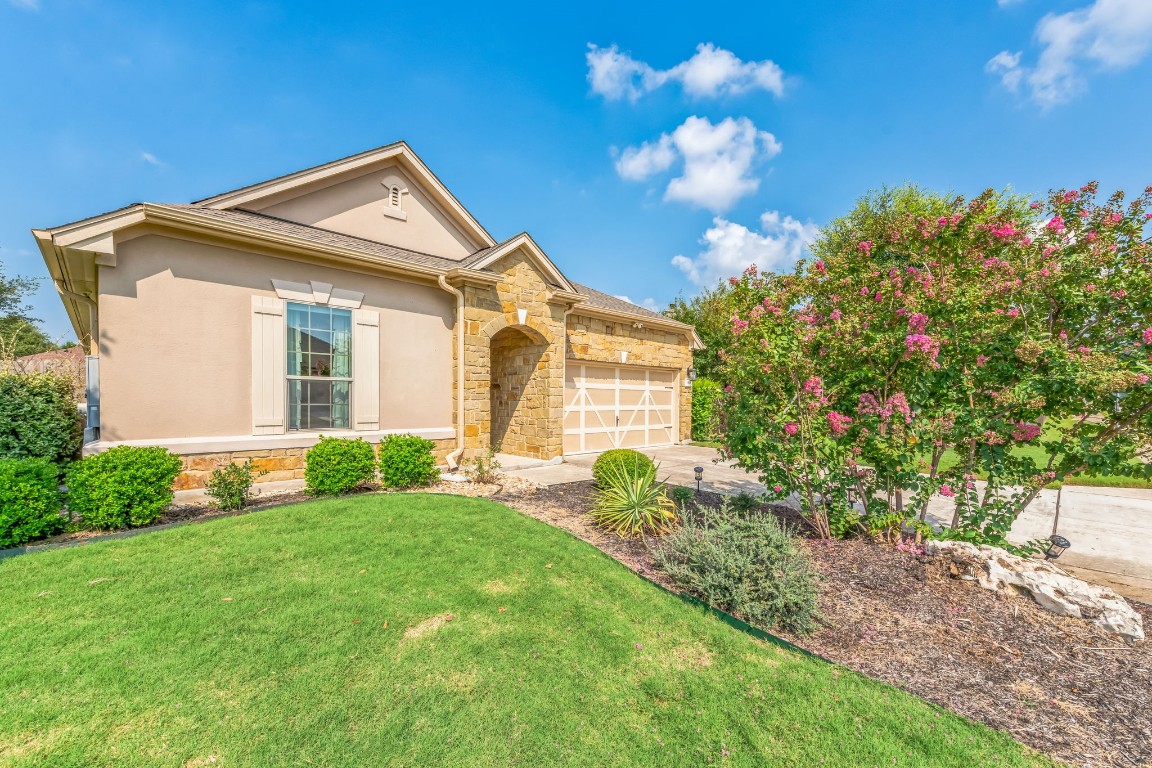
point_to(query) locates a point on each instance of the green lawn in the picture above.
(307, 636)
(1039, 457)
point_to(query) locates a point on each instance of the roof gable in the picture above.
(354, 195)
(523, 242)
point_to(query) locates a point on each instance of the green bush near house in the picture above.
(123, 487)
(30, 500)
(230, 487)
(706, 396)
(406, 461)
(38, 416)
(750, 567)
(618, 459)
(338, 465)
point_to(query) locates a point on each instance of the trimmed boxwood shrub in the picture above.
(619, 460)
(123, 487)
(30, 501)
(407, 461)
(748, 566)
(706, 396)
(338, 465)
(38, 416)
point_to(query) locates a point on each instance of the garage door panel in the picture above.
(617, 407)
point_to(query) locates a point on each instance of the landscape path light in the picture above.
(699, 477)
(1056, 547)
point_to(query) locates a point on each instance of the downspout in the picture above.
(454, 457)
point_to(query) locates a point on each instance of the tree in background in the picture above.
(709, 311)
(20, 334)
(925, 324)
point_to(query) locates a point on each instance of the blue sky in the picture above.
(719, 155)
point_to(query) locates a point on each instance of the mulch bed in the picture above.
(1058, 684)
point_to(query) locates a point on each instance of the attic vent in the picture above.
(394, 201)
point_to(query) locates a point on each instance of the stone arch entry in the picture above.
(519, 392)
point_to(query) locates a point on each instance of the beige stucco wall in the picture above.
(356, 207)
(597, 339)
(176, 351)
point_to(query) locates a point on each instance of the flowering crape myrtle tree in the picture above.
(925, 324)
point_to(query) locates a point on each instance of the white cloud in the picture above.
(151, 159)
(28, 5)
(730, 248)
(718, 160)
(1112, 34)
(648, 159)
(710, 73)
(1006, 3)
(648, 303)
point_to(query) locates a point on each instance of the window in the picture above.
(319, 367)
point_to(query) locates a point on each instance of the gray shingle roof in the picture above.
(597, 299)
(316, 234)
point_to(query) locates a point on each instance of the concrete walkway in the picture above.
(1110, 528)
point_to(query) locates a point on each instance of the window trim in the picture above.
(289, 378)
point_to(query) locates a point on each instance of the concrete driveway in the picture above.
(1110, 528)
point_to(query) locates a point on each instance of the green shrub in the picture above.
(231, 486)
(629, 501)
(621, 458)
(706, 396)
(484, 469)
(407, 461)
(338, 465)
(750, 567)
(38, 416)
(123, 487)
(30, 500)
(681, 496)
(744, 503)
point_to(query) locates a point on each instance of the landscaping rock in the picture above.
(1052, 588)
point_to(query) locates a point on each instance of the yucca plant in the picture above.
(631, 502)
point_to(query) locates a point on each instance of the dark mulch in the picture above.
(1058, 684)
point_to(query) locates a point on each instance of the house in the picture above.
(355, 298)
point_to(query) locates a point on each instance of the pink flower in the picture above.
(836, 315)
(728, 388)
(751, 270)
(981, 360)
(791, 428)
(865, 247)
(819, 267)
(777, 488)
(1056, 224)
(814, 386)
(1013, 312)
(864, 291)
(1142, 378)
(1090, 287)
(946, 490)
(919, 343)
(734, 281)
(838, 423)
(879, 296)
(1026, 432)
(1148, 335)
(1114, 218)
(1034, 206)
(917, 322)
(738, 325)
(1070, 196)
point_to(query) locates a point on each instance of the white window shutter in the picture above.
(365, 369)
(269, 349)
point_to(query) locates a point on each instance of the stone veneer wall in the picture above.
(599, 340)
(280, 463)
(518, 397)
(488, 310)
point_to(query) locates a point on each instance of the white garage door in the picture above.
(618, 407)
